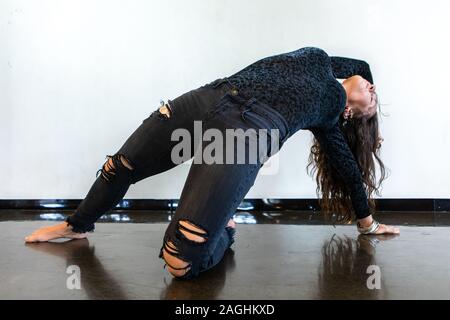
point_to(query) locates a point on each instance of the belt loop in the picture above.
(229, 82)
(217, 83)
(234, 90)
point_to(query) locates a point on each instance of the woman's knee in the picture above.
(177, 264)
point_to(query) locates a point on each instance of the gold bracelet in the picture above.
(370, 229)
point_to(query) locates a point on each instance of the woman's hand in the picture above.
(382, 228)
(386, 229)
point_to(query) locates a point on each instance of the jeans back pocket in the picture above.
(258, 119)
(265, 129)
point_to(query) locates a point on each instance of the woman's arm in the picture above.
(333, 143)
(347, 67)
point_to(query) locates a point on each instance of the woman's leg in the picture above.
(197, 236)
(145, 153)
(195, 239)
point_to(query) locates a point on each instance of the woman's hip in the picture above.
(262, 129)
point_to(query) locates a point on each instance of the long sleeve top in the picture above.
(302, 86)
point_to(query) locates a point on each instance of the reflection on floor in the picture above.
(287, 255)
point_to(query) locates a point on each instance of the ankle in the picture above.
(67, 227)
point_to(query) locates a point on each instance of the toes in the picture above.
(30, 238)
(39, 237)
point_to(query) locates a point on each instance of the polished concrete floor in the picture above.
(275, 256)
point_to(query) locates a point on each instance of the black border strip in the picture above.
(435, 205)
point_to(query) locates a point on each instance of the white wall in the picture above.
(78, 76)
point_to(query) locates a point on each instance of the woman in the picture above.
(282, 93)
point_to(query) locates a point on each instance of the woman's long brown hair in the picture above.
(364, 140)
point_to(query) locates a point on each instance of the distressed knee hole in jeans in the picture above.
(187, 231)
(176, 265)
(113, 164)
(191, 232)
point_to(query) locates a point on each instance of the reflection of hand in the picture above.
(66, 249)
(369, 242)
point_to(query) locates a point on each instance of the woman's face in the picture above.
(361, 96)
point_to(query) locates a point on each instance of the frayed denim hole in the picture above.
(182, 237)
(203, 234)
(177, 255)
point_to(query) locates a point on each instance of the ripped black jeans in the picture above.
(197, 236)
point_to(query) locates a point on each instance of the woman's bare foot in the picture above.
(231, 223)
(61, 230)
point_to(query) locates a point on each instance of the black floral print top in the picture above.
(302, 86)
